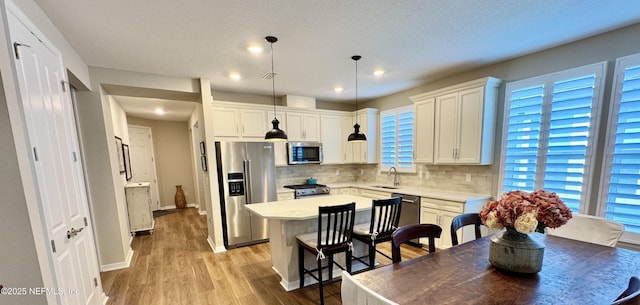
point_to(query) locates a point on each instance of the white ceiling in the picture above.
(414, 41)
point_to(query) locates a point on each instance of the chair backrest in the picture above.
(354, 293)
(385, 216)
(631, 296)
(409, 232)
(465, 220)
(335, 224)
(590, 229)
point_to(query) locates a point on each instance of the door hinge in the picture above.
(53, 245)
(75, 158)
(35, 153)
(86, 223)
(95, 281)
(64, 88)
(15, 48)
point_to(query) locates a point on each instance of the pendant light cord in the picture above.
(273, 84)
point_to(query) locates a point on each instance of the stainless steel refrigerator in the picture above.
(246, 175)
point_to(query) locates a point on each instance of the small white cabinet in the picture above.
(231, 122)
(303, 126)
(442, 212)
(139, 207)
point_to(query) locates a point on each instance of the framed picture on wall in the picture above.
(127, 162)
(119, 153)
(203, 161)
(203, 149)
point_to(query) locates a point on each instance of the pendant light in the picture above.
(356, 136)
(275, 134)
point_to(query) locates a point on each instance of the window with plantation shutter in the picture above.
(396, 139)
(549, 133)
(620, 192)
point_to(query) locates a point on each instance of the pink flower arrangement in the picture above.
(526, 212)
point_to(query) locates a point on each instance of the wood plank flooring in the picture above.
(175, 265)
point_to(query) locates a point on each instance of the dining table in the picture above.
(573, 272)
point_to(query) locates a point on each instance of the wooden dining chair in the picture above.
(462, 221)
(631, 296)
(409, 232)
(385, 215)
(335, 226)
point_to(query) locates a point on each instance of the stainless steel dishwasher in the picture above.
(410, 211)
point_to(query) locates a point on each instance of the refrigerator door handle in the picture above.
(247, 180)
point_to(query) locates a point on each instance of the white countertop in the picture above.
(417, 191)
(301, 209)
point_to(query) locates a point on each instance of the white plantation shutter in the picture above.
(388, 139)
(548, 133)
(568, 139)
(523, 136)
(397, 139)
(621, 194)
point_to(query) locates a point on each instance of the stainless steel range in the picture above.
(309, 190)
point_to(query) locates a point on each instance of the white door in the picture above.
(55, 159)
(143, 164)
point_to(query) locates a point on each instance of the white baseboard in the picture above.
(192, 205)
(121, 265)
(214, 248)
(202, 212)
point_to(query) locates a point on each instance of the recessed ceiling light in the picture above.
(255, 49)
(378, 72)
(159, 111)
(234, 76)
(337, 89)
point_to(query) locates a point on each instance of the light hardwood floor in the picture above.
(175, 265)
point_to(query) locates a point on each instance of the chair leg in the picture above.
(320, 284)
(349, 260)
(301, 265)
(330, 267)
(372, 255)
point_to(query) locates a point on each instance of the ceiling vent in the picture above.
(269, 75)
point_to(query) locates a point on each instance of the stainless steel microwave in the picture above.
(304, 152)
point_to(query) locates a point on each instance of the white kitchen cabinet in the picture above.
(239, 123)
(442, 212)
(424, 124)
(303, 126)
(333, 141)
(373, 194)
(286, 195)
(139, 206)
(463, 127)
(279, 148)
(362, 152)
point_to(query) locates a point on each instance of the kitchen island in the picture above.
(289, 218)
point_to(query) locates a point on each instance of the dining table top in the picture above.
(573, 272)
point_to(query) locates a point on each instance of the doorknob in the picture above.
(73, 232)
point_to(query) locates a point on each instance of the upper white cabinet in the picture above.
(239, 123)
(424, 123)
(303, 126)
(279, 148)
(463, 123)
(362, 152)
(333, 140)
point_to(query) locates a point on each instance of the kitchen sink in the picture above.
(385, 187)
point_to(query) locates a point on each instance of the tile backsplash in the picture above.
(440, 177)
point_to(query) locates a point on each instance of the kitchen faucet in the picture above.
(396, 182)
